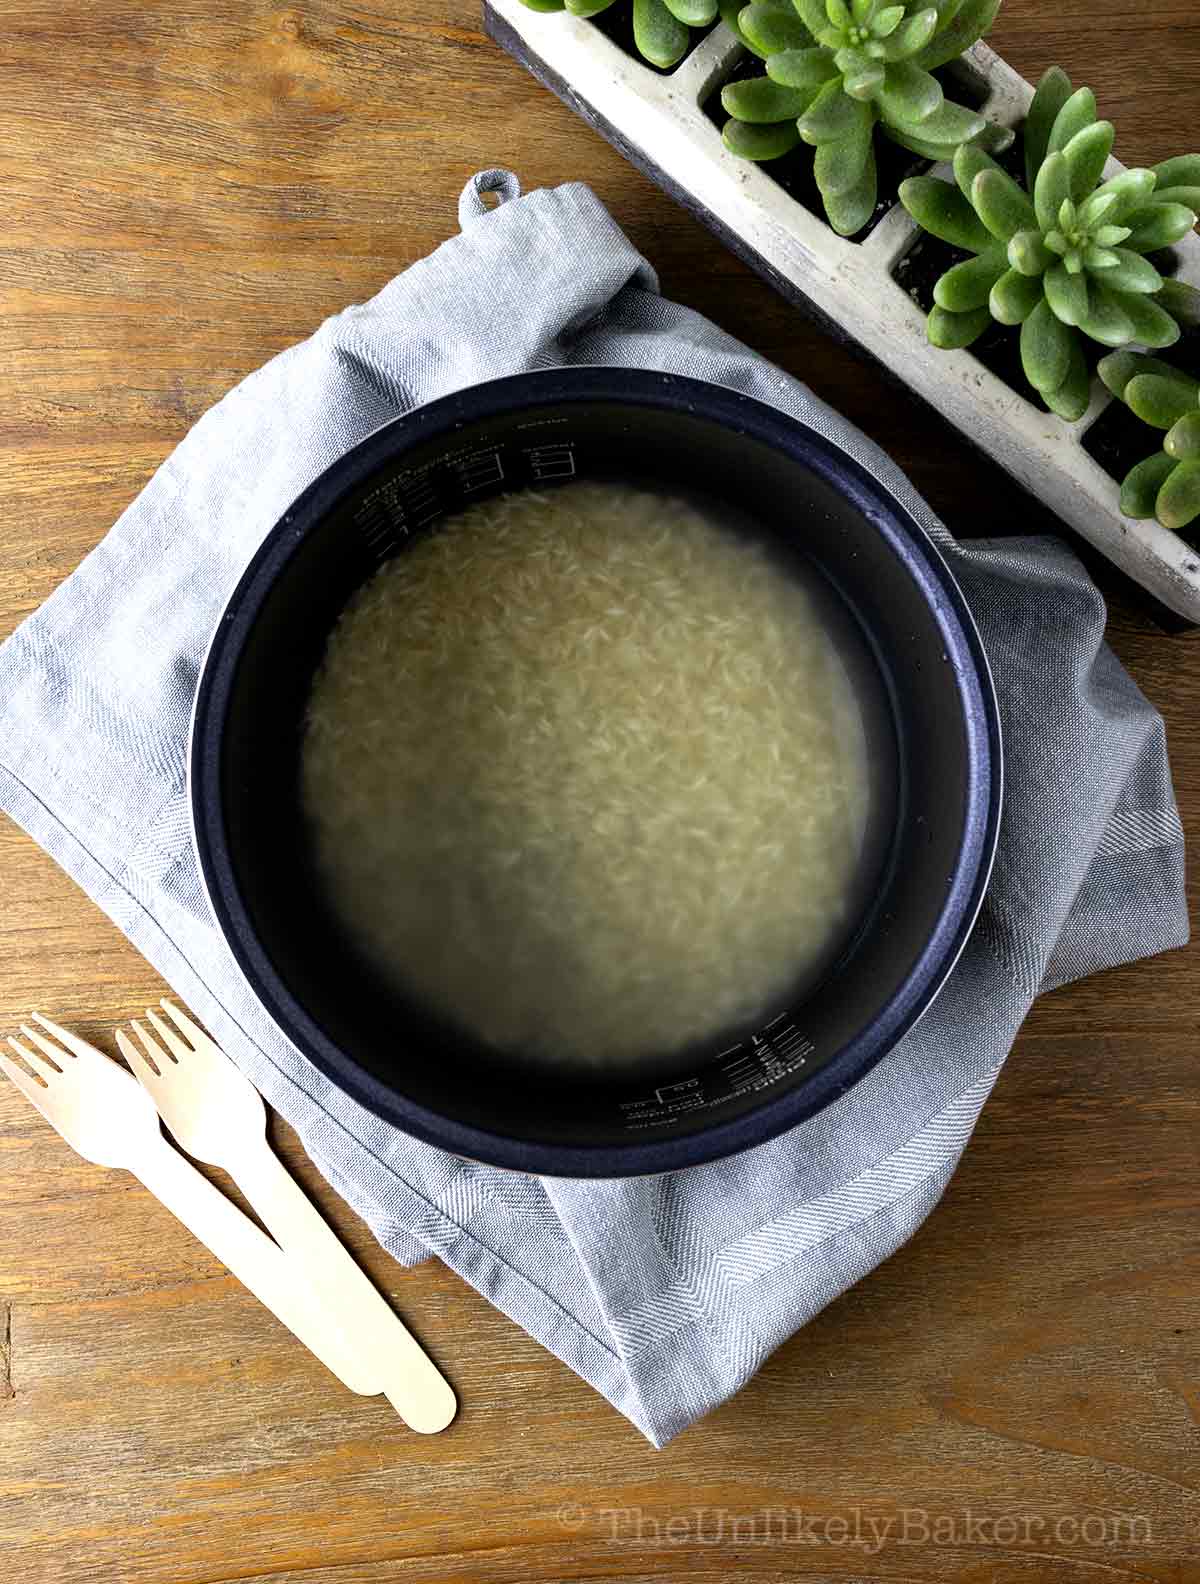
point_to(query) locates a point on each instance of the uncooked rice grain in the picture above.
(585, 771)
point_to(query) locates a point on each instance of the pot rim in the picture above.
(742, 414)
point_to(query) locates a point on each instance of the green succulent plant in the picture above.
(1065, 256)
(661, 28)
(1167, 484)
(837, 69)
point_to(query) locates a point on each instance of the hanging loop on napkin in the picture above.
(471, 206)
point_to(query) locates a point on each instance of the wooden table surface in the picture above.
(187, 188)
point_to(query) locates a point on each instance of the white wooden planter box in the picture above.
(657, 121)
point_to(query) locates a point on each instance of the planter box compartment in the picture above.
(664, 123)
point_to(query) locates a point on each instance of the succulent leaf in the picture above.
(694, 13)
(969, 160)
(865, 82)
(1178, 501)
(1116, 369)
(1014, 297)
(884, 23)
(833, 115)
(1045, 348)
(1131, 190)
(852, 61)
(1100, 258)
(585, 8)
(950, 331)
(948, 10)
(1181, 301)
(839, 166)
(1052, 93)
(961, 26)
(731, 11)
(801, 68)
(1001, 205)
(991, 138)
(1160, 400)
(1051, 191)
(1183, 437)
(1142, 483)
(814, 16)
(1130, 272)
(1027, 252)
(950, 124)
(849, 211)
(1139, 492)
(1188, 196)
(1159, 225)
(1181, 171)
(1067, 294)
(1094, 210)
(908, 95)
(768, 28)
(1106, 320)
(1086, 155)
(754, 141)
(967, 286)
(659, 35)
(760, 100)
(1070, 399)
(911, 36)
(1078, 112)
(941, 209)
(1152, 325)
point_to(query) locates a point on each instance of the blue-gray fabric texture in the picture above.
(665, 1293)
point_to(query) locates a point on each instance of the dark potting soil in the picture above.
(794, 171)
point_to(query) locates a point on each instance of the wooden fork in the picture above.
(109, 1119)
(217, 1115)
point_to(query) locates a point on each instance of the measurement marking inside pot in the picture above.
(394, 511)
(552, 461)
(477, 472)
(420, 502)
(741, 1069)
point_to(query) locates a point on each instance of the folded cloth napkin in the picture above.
(665, 1293)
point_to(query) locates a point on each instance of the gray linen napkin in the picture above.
(665, 1293)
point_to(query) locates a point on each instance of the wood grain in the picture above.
(187, 189)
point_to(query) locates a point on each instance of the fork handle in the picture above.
(387, 1357)
(242, 1247)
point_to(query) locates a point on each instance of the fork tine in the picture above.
(170, 1039)
(185, 1025)
(33, 1091)
(46, 1051)
(77, 1046)
(143, 1063)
